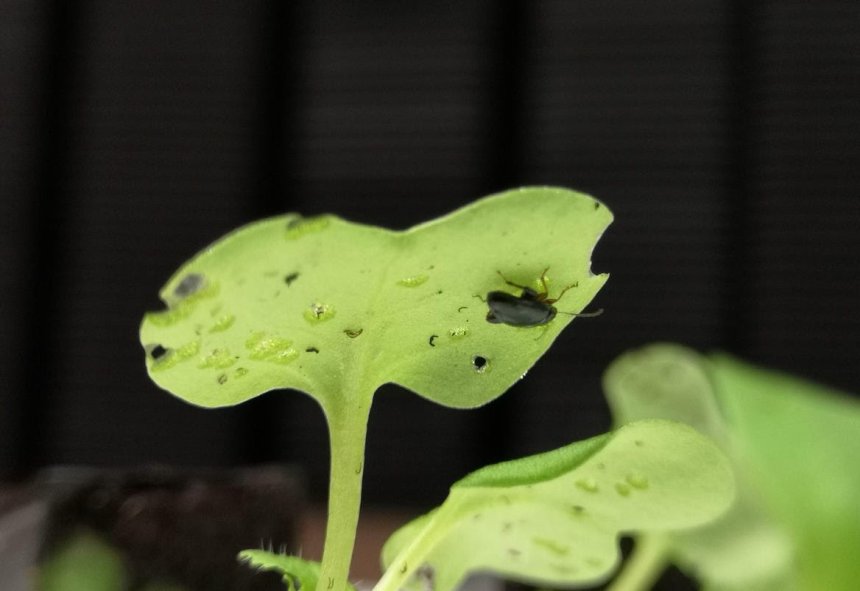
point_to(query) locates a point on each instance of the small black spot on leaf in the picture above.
(222, 379)
(353, 332)
(433, 337)
(461, 308)
(291, 277)
(312, 350)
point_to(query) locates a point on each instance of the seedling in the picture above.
(336, 309)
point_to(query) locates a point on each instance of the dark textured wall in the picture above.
(724, 135)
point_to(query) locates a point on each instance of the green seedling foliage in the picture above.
(800, 443)
(297, 573)
(553, 519)
(794, 447)
(745, 549)
(336, 309)
(84, 562)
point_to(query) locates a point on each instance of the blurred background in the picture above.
(723, 134)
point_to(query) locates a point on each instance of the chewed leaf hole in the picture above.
(480, 363)
(189, 285)
(156, 351)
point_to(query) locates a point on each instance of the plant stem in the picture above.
(644, 566)
(347, 433)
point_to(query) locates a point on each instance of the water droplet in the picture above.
(481, 364)
(240, 372)
(299, 226)
(522, 375)
(353, 332)
(413, 281)
(588, 485)
(190, 284)
(223, 323)
(217, 358)
(265, 347)
(459, 332)
(622, 489)
(556, 548)
(318, 312)
(637, 481)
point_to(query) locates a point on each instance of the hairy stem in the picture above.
(644, 566)
(347, 433)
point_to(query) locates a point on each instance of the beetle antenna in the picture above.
(597, 312)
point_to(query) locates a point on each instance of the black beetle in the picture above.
(530, 308)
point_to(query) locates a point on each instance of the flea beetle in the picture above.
(530, 308)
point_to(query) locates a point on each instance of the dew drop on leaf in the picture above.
(318, 312)
(413, 281)
(622, 489)
(637, 481)
(588, 485)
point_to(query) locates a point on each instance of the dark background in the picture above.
(723, 134)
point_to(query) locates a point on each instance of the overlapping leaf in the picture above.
(553, 519)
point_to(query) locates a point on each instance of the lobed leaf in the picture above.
(745, 548)
(554, 518)
(332, 308)
(794, 447)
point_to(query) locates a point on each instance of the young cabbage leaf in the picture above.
(336, 309)
(553, 519)
(745, 549)
(794, 447)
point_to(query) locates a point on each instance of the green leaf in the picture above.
(336, 309)
(554, 518)
(297, 572)
(84, 562)
(800, 444)
(795, 449)
(745, 548)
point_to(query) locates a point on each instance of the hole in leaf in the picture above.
(480, 363)
(190, 284)
(157, 352)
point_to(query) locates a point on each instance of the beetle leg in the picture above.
(511, 283)
(543, 282)
(563, 291)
